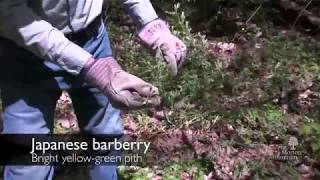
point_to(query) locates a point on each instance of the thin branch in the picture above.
(301, 12)
(254, 13)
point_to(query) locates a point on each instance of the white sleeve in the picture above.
(141, 11)
(21, 25)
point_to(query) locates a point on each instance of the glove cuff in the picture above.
(152, 31)
(88, 65)
(99, 69)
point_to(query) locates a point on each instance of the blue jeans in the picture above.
(30, 88)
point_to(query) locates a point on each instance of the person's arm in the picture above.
(21, 25)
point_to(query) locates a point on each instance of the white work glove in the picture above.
(167, 46)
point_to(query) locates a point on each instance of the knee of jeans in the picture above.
(17, 120)
(28, 172)
(108, 122)
(103, 172)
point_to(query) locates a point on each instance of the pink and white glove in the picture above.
(167, 46)
(125, 91)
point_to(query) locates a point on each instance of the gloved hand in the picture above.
(125, 91)
(168, 47)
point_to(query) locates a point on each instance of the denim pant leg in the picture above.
(28, 172)
(26, 113)
(95, 114)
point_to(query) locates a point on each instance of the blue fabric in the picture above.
(30, 88)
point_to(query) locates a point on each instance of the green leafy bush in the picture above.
(257, 93)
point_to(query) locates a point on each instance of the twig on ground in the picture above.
(301, 12)
(253, 14)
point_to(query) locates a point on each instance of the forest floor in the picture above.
(249, 114)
